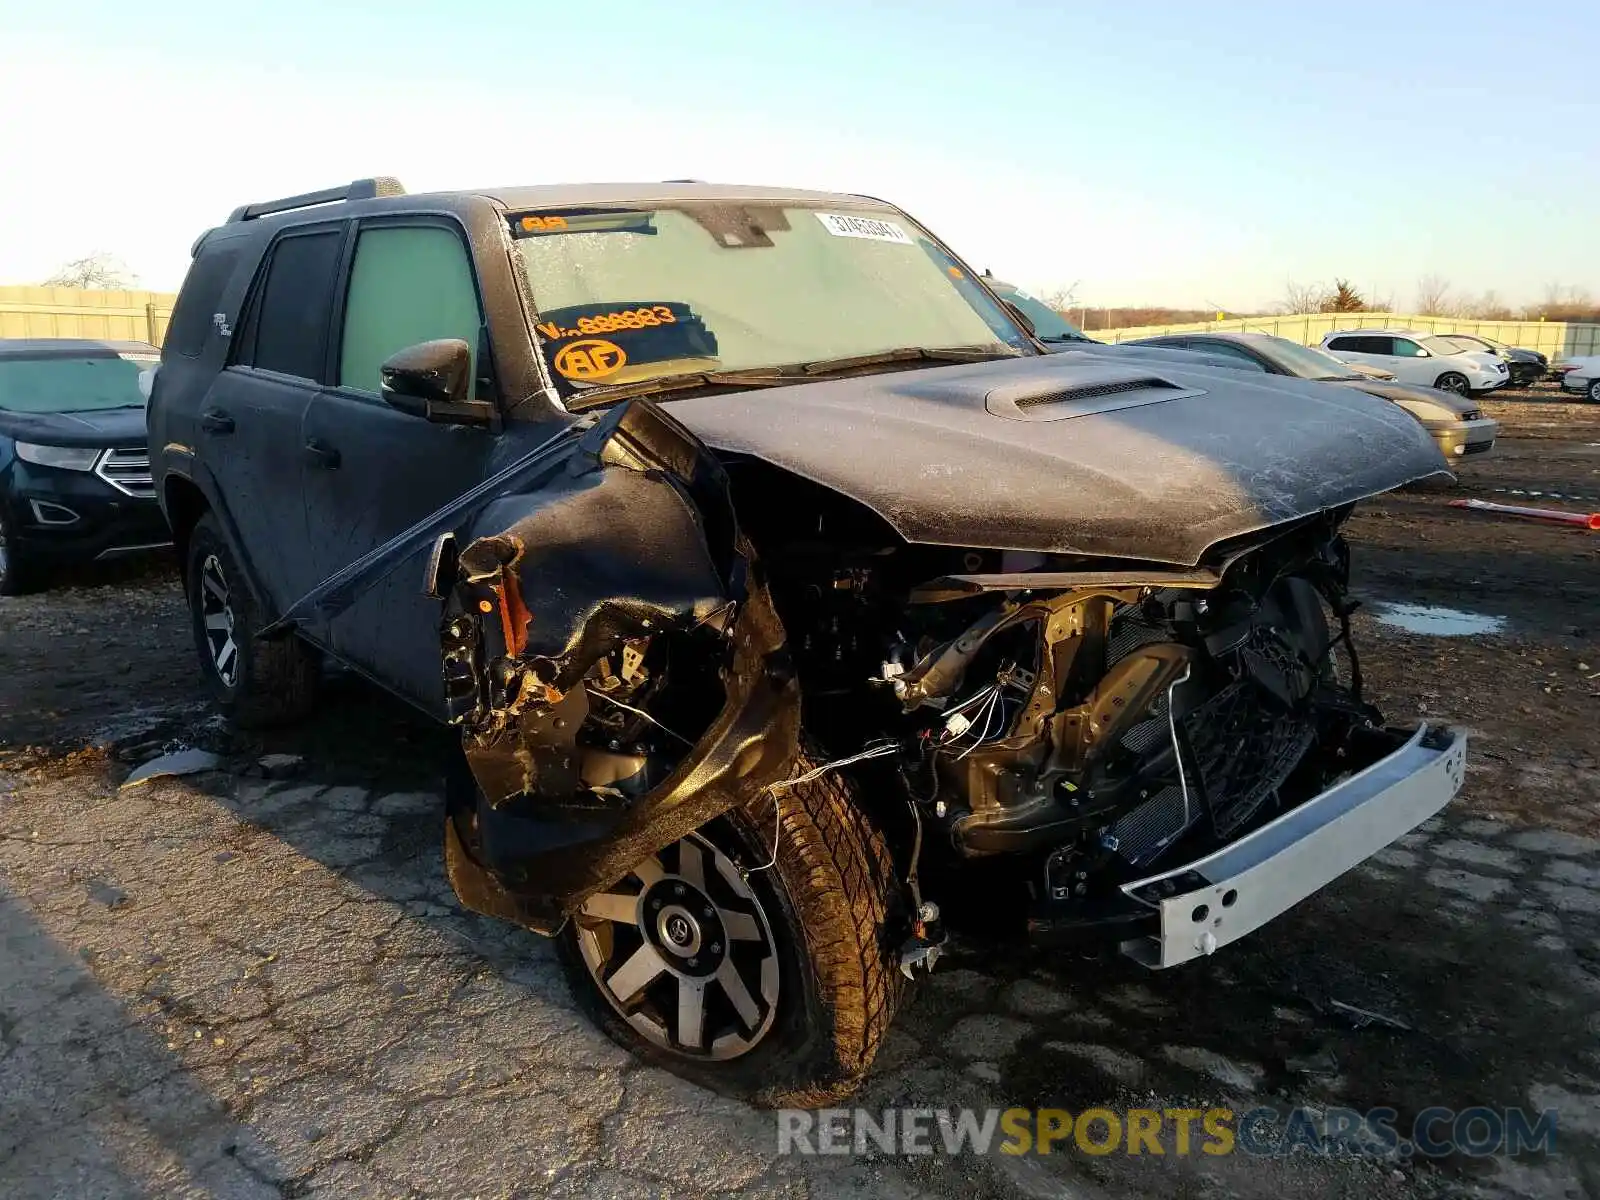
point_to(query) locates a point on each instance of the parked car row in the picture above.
(1456, 424)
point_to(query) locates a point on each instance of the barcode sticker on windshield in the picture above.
(864, 227)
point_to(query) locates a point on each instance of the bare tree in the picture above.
(1487, 307)
(1063, 299)
(1302, 298)
(99, 270)
(1433, 296)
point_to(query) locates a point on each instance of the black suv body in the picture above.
(75, 483)
(761, 557)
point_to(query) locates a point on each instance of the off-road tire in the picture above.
(838, 917)
(20, 575)
(276, 682)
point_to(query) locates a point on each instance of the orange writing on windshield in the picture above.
(590, 359)
(543, 224)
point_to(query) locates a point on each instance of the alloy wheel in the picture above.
(682, 949)
(1451, 381)
(1594, 391)
(216, 611)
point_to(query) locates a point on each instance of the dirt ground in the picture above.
(354, 1033)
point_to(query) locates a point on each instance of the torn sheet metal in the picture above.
(631, 573)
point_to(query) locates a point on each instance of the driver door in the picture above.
(372, 471)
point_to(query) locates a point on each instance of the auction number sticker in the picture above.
(590, 360)
(609, 322)
(871, 228)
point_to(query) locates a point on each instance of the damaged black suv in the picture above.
(768, 565)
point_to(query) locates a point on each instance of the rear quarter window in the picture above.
(199, 296)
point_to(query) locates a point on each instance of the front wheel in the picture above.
(1453, 381)
(18, 575)
(772, 978)
(255, 683)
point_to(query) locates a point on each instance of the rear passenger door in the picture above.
(372, 470)
(249, 422)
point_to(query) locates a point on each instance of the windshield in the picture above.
(1307, 362)
(631, 295)
(1050, 325)
(61, 385)
(1450, 345)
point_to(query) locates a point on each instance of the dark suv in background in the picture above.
(759, 552)
(75, 481)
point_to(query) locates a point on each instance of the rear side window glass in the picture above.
(287, 330)
(408, 284)
(1366, 344)
(1227, 350)
(197, 299)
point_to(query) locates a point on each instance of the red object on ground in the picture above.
(1581, 520)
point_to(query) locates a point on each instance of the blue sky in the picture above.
(1148, 152)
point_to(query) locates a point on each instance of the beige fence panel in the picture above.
(1554, 338)
(53, 312)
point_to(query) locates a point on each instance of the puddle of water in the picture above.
(1436, 620)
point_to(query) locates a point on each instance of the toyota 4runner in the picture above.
(769, 567)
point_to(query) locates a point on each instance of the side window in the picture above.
(1227, 349)
(197, 299)
(1406, 348)
(286, 329)
(408, 284)
(1363, 344)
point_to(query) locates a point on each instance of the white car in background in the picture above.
(1431, 360)
(1581, 374)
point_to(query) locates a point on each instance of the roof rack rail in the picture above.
(361, 189)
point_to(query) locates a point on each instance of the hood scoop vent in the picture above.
(1096, 391)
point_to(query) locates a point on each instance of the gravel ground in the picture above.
(235, 986)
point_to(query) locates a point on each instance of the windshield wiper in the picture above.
(594, 397)
(943, 354)
(1066, 337)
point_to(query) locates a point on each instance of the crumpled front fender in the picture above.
(636, 540)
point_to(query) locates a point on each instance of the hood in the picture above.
(1415, 396)
(120, 427)
(1485, 360)
(1075, 453)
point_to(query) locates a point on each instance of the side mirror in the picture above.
(1421, 353)
(433, 380)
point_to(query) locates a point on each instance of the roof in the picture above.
(1387, 331)
(561, 195)
(70, 348)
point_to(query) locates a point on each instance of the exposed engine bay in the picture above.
(1083, 717)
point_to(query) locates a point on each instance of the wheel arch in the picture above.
(185, 501)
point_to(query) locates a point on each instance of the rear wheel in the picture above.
(770, 977)
(1453, 381)
(255, 683)
(1593, 391)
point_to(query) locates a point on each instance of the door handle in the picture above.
(214, 420)
(322, 455)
